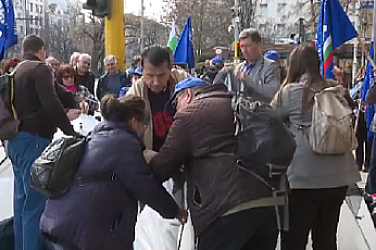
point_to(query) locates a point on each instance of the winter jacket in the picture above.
(309, 170)
(102, 215)
(104, 83)
(215, 184)
(38, 106)
(141, 89)
(83, 94)
(87, 80)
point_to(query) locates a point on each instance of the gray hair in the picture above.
(84, 55)
(109, 58)
(251, 33)
(51, 58)
(74, 56)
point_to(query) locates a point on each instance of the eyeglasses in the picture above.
(66, 77)
(175, 101)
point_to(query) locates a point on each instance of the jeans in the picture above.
(252, 229)
(317, 210)
(28, 203)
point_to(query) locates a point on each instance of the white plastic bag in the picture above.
(186, 236)
(155, 233)
(83, 125)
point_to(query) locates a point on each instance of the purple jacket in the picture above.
(102, 215)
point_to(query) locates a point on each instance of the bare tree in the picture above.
(210, 21)
(154, 34)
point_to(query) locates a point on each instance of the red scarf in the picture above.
(72, 88)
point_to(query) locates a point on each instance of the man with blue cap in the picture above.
(274, 56)
(226, 205)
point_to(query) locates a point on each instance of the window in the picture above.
(31, 19)
(282, 9)
(36, 21)
(31, 7)
(40, 21)
(41, 9)
(31, 31)
(263, 9)
(37, 32)
(36, 8)
(21, 29)
(281, 26)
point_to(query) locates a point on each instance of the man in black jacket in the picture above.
(84, 76)
(40, 112)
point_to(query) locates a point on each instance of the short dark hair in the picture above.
(250, 33)
(32, 44)
(156, 55)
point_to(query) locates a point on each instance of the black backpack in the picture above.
(8, 116)
(7, 234)
(54, 172)
(264, 140)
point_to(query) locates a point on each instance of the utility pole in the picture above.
(46, 10)
(236, 22)
(301, 30)
(114, 33)
(355, 12)
(142, 27)
(26, 14)
(374, 30)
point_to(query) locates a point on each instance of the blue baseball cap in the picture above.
(187, 83)
(138, 71)
(217, 59)
(272, 55)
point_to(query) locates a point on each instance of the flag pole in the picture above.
(366, 52)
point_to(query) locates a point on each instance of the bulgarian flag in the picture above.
(334, 28)
(173, 39)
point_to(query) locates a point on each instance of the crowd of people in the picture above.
(159, 122)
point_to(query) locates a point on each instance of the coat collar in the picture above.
(109, 125)
(31, 57)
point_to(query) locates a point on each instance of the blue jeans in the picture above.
(28, 203)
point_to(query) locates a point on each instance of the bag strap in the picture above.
(213, 95)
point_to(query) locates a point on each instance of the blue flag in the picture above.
(184, 49)
(367, 84)
(8, 29)
(334, 28)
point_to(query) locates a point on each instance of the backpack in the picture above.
(266, 147)
(53, 172)
(7, 234)
(332, 130)
(8, 116)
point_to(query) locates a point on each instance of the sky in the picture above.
(153, 8)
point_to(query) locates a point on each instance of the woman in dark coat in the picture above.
(102, 215)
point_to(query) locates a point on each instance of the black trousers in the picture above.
(253, 229)
(364, 150)
(317, 210)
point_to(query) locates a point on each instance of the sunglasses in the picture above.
(66, 77)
